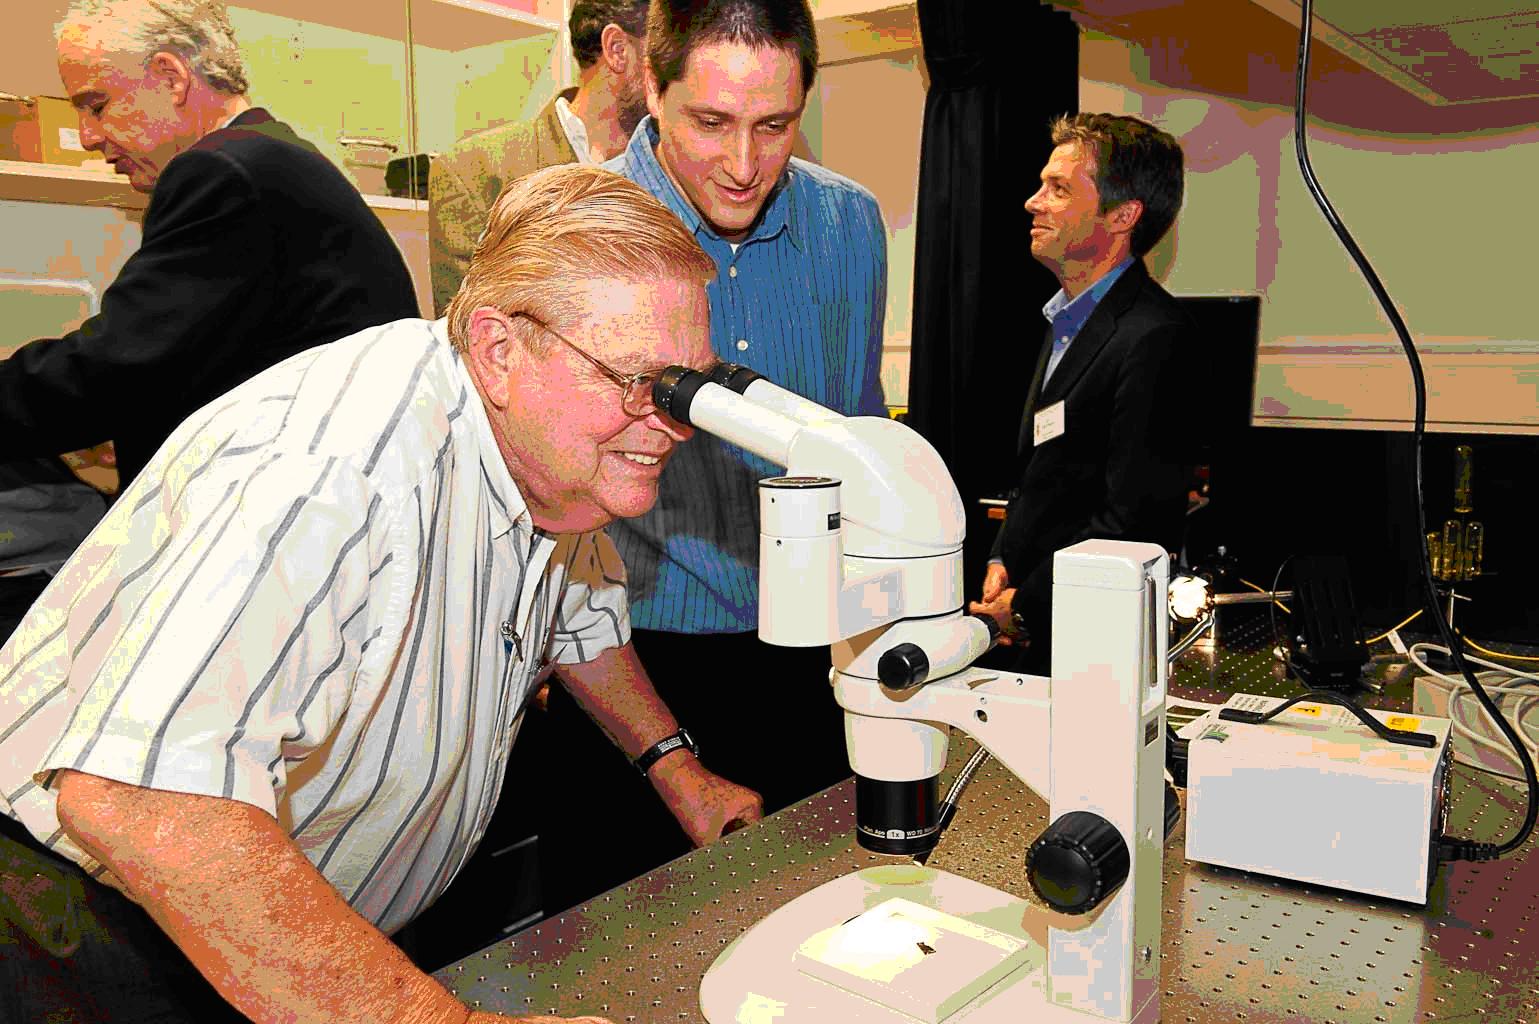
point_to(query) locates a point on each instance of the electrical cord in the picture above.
(1399, 625)
(1448, 848)
(1263, 590)
(1271, 615)
(1494, 654)
(948, 806)
(1523, 683)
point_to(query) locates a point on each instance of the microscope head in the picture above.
(860, 548)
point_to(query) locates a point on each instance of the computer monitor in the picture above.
(1223, 389)
(1228, 330)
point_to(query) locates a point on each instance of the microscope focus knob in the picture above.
(1077, 862)
(903, 667)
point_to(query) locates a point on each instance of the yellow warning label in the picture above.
(1307, 709)
(1405, 722)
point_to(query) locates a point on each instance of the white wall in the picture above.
(84, 245)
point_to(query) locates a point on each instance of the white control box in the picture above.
(1316, 796)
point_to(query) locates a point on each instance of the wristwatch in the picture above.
(666, 745)
(1016, 630)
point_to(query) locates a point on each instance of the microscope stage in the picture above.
(888, 944)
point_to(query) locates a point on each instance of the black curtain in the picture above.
(999, 71)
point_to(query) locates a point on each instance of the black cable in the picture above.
(1271, 615)
(1449, 849)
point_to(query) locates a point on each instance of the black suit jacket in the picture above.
(1119, 470)
(255, 247)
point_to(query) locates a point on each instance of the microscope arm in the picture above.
(1008, 714)
(880, 579)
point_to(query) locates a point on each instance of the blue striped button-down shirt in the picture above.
(801, 301)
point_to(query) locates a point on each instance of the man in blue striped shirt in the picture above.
(799, 296)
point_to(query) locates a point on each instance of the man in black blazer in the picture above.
(1103, 442)
(255, 246)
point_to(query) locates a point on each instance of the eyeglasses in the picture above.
(636, 389)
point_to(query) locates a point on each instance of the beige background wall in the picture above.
(1444, 217)
(866, 124)
(348, 76)
(1439, 205)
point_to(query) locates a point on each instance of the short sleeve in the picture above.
(593, 616)
(211, 640)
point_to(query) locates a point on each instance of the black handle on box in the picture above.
(1384, 732)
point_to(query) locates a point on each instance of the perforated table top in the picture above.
(1235, 946)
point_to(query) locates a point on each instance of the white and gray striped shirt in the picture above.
(324, 597)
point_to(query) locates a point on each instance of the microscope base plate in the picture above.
(756, 978)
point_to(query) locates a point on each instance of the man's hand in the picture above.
(614, 690)
(994, 581)
(705, 804)
(999, 610)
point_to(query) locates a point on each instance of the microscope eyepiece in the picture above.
(675, 389)
(733, 376)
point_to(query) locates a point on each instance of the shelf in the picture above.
(848, 33)
(397, 203)
(79, 186)
(439, 24)
(73, 186)
(461, 24)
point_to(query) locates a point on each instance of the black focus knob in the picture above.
(903, 667)
(1077, 862)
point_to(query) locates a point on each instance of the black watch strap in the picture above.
(666, 745)
(1017, 628)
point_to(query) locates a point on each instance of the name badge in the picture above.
(1047, 424)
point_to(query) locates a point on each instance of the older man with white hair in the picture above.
(255, 246)
(271, 699)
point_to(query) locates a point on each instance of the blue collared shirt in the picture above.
(1068, 315)
(802, 301)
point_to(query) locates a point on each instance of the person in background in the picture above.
(800, 296)
(586, 124)
(261, 718)
(254, 247)
(1104, 446)
(44, 513)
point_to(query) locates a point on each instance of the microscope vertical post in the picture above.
(1108, 756)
